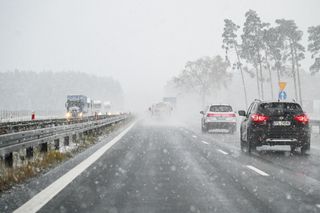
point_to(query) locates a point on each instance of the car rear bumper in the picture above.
(277, 141)
(221, 125)
(297, 138)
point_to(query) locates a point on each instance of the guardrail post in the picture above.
(74, 138)
(29, 152)
(56, 144)
(66, 141)
(8, 160)
(44, 147)
(80, 136)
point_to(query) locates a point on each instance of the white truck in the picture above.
(161, 109)
(77, 106)
(97, 108)
(106, 107)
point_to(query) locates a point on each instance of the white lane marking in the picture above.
(223, 152)
(257, 170)
(43, 197)
(318, 205)
(205, 142)
(194, 136)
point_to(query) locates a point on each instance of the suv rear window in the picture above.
(280, 108)
(221, 108)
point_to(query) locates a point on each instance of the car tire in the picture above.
(293, 148)
(242, 142)
(250, 145)
(203, 128)
(305, 149)
(242, 145)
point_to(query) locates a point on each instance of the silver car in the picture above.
(218, 116)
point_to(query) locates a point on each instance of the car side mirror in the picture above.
(201, 112)
(242, 113)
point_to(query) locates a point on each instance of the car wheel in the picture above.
(242, 145)
(203, 129)
(305, 149)
(293, 148)
(250, 145)
(242, 142)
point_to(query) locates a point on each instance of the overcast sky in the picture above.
(141, 43)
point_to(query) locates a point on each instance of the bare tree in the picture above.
(203, 76)
(230, 42)
(314, 48)
(253, 45)
(294, 51)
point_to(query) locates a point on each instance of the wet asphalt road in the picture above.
(174, 168)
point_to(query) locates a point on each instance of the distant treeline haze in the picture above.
(27, 90)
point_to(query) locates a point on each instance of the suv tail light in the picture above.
(303, 118)
(258, 118)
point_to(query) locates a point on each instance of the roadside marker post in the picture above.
(282, 94)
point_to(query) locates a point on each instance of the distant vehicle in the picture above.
(274, 123)
(77, 106)
(161, 109)
(218, 116)
(106, 107)
(171, 100)
(97, 108)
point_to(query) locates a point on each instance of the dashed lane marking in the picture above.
(43, 197)
(205, 142)
(260, 172)
(194, 136)
(318, 205)
(223, 152)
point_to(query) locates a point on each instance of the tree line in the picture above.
(27, 90)
(263, 50)
(267, 49)
(203, 76)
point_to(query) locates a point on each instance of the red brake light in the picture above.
(302, 118)
(258, 118)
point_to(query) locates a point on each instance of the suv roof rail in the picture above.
(256, 99)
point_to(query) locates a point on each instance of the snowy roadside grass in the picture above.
(46, 161)
(12, 176)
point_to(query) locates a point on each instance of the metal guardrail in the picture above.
(314, 122)
(10, 127)
(24, 115)
(13, 141)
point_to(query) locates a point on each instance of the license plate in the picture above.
(221, 118)
(281, 123)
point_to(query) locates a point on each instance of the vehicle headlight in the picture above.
(68, 114)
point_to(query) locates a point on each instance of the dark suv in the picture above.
(274, 123)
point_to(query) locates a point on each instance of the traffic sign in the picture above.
(282, 85)
(282, 95)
